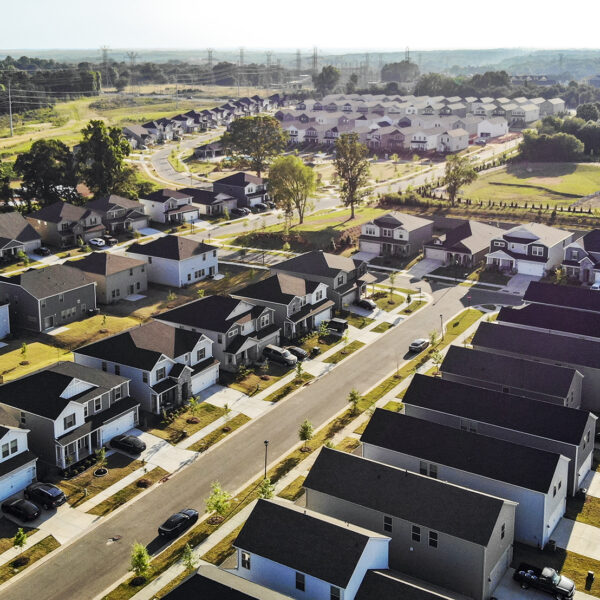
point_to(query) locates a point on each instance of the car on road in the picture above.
(279, 355)
(260, 207)
(109, 240)
(21, 509)
(481, 142)
(298, 352)
(97, 243)
(595, 286)
(42, 251)
(128, 443)
(546, 580)
(418, 345)
(367, 304)
(176, 524)
(45, 495)
(239, 212)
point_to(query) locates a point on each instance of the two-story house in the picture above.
(238, 330)
(395, 234)
(563, 296)
(453, 140)
(210, 202)
(581, 260)
(530, 249)
(176, 260)
(346, 278)
(16, 233)
(477, 462)
(165, 364)
(116, 276)
(119, 214)
(169, 206)
(44, 298)
(442, 533)
(300, 306)
(161, 129)
(62, 224)
(70, 410)
(248, 189)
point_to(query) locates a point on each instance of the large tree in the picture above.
(588, 112)
(47, 172)
(352, 168)
(101, 158)
(326, 80)
(291, 183)
(459, 172)
(257, 138)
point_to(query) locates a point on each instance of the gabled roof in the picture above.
(418, 499)
(305, 541)
(516, 372)
(240, 179)
(173, 247)
(204, 196)
(384, 584)
(537, 233)
(567, 296)
(105, 263)
(517, 413)
(107, 203)
(396, 219)
(470, 452)
(48, 281)
(15, 227)
(279, 288)
(590, 241)
(318, 263)
(164, 195)
(60, 211)
(472, 236)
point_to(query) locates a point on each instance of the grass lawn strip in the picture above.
(348, 444)
(8, 530)
(394, 406)
(222, 550)
(344, 353)
(127, 493)
(253, 383)
(206, 413)
(413, 307)
(294, 490)
(585, 510)
(382, 327)
(34, 554)
(288, 388)
(93, 329)
(216, 436)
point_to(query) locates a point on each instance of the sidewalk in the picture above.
(12, 553)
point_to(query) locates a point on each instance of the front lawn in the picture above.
(15, 363)
(413, 307)
(382, 327)
(8, 530)
(348, 444)
(323, 342)
(216, 436)
(344, 353)
(223, 549)
(354, 319)
(288, 388)
(394, 406)
(386, 301)
(253, 380)
(584, 509)
(32, 555)
(294, 490)
(178, 428)
(492, 276)
(93, 329)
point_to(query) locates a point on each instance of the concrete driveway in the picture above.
(424, 267)
(518, 283)
(578, 537)
(509, 589)
(592, 483)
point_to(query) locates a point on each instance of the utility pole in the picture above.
(298, 62)
(104, 50)
(268, 74)
(210, 58)
(176, 89)
(315, 60)
(10, 110)
(407, 54)
(132, 56)
(366, 68)
(240, 69)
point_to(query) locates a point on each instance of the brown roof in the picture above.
(105, 263)
(60, 211)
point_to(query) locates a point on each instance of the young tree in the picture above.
(200, 292)
(291, 183)
(354, 399)
(459, 172)
(260, 138)
(194, 405)
(20, 539)
(437, 359)
(392, 279)
(24, 350)
(187, 558)
(264, 368)
(226, 412)
(140, 560)
(352, 168)
(299, 370)
(101, 458)
(323, 330)
(266, 489)
(433, 337)
(306, 432)
(326, 80)
(219, 500)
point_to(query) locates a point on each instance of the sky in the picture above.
(289, 24)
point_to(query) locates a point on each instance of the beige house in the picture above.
(453, 140)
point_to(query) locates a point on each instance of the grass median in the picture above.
(218, 434)
(344, 353)
(30, 556)
(288, 388)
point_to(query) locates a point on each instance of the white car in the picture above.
(97, 242)
(595, 286)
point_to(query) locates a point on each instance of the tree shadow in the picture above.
(519, 170)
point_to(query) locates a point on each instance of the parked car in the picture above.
(546, 579)
(279, 355)
(109, 240)
(128, 443)
(97, 243)
(595, 286)
(260, 207)
(176, 524)
(42, 251)
(337, 325)
(21, 509)
(367, 304)
(299, 353)
(271, 204)
(45, 494)
(239, 212)
(418, 345)
(481, 142)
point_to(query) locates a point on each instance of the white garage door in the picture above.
(15, 482)
(203, 380)
(324, 316)
(528, 268)
(370, 247)
(120, 425)
(585, 469)
(435, 253)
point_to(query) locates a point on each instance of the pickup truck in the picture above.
(546, 580)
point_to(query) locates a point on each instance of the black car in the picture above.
(260, 207)
(45, 494)
(22, 509)
(367, 304)
(42, 251)
(178, 523)
(271, 204)
(128, 443)
(239, 212)
(297, 352)
(109, 240)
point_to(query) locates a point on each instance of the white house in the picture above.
(169, 206)
(4, 320)
(453, 140)
(176, 260)
(17, 462)
(425, 139)
(492, 127)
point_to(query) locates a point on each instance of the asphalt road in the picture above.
(91, 564)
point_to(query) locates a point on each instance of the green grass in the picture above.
(294, 490)
(253, 382)
(33, 554)
(394, 406)
(585, 510)
(355, 320)
(223, 549)
(90, 330)
(15, 364)
(344, 353)
(325, 343)
(382, 327)
(8, 530)
(386, 301)
(288, 388)
(348, 444)
(173, 432)
(413, 307)
(212, 438)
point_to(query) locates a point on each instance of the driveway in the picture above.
(592, 483)
(509, 589)
(424, 267)
(518, 283)
(578, 537)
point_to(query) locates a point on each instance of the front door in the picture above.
(130, 289)
(49, 322)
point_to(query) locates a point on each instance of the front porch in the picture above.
(75, 451)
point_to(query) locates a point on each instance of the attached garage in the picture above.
(118, 425)
(205, 379)
(322, 316)
(372, 247)
(17, 479)
(436, 253)
(530, 268)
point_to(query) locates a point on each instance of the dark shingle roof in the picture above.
(416, 498)
(173, 247)
(472, 236)
(106, 203)
(496, 459)
(304, 541)
(280, 288)
(198, 586)
(514, 371)
(540, 344)
(318, 263)
(15, 227)
(563, 295)
(590, 241)
(389, 585)
(240, 179)
(508, 411)
(60, 211)
(164, 195)
(105, 263)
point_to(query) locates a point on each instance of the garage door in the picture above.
(528, 268)
(203, 380)
(120, 425)
(584, 469)
(435, 253)
(16, 481)
(324, 316)
(370, 247)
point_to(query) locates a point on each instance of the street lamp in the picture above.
(442, 325)
(266, 450)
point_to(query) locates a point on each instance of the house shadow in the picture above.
(157, 545)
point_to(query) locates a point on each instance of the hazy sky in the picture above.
(386, 24)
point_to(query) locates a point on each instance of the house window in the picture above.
(386, 232)
(433, 539)
(143, 269)
(264, 320)
(118, 393)
(340, 280)
(189, 276)
(387, 523)
(559, 484)
(14, 446)
(220, 339)
(149, 260)
(537, 251)
(232, 333)
(130, 271)
(245, 560)
(433, 471)
(416, 533)
(86, 410)
(61, 298)
(23, 418)
(554, 491)
(104, 365)
(43, 303)
(117, 369)
(335, 593)
(423, 467)
(69, 421)
(5, 450)
(502, 531)
(214, 253)
(496, 243)
(97, 404)
(319, 295)
(160, 374)
(145, 377)
(370, 231)
(200, 354)
(300, 582)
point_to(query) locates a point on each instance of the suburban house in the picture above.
(530, 249)
(209, 202)
(304, 554)
(211, 150)
(16, 233)
(581, 260)
(547, 347)
(396, 234)
(161, 129)
(165, 365)
(17, 462)
(119, 214)
(70, 410)
(554, 106)
(138, 136)
(62, 224)
(169, 206)
(535, 479)
(346, 278)
(466, 244)
(513, 375)
(44, 298)
(439, 532)
(176, 260)
(559, 429)
(116, 276)
(248, 189)
(4, 320)
(238, 330)
(453, 140)
(300, 306)
(564, 296)
(492, 127)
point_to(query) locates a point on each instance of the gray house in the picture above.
(119, 214)
(44, 298)
(248, 189)
(581, 260)
(565, 296)
(442, 533)
(536, 479)
(116, 276)
(209, 202)
(380, 584)
(566, 431)
(513, 375)
(16, 233)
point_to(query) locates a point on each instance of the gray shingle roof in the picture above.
(113, 201)
(387, 585)
(563, 295)
(105, 263)
(280, 288)
(173, 247)
(471, 236)
(164, 195)
(15, 227)
(60, 211)
(397, 219)
(318, 262)
(240, 179)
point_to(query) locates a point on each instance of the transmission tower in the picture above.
(132, 56)
(298, 62)
(240, 70)
(104, 50)
(210, 53)
(315, 60)
(268, 72)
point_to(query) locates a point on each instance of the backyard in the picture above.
(15, 362)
